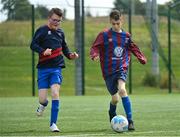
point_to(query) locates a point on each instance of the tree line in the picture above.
(21, 9)
(140, 8)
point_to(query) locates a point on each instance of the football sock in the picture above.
(45, 103)
(127, 107)
(112, 109)
(54, 111)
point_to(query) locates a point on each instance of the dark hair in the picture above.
(115, 14)
(56, 11)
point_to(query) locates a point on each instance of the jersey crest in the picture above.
(118, 51)
(49, 32)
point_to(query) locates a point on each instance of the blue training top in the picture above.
(53, 39)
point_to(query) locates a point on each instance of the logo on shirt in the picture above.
(118, 52)
(49, 32)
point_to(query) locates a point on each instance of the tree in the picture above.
(41, 12)
(22, 10)
(176, 11)
(88, 12)
(8, 5)
(17, 9)
(140, 8)
(162, 10)
(123, 5)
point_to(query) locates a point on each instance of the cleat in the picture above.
(54, 128)
(40, 110)
(131, 125)
(111, 116)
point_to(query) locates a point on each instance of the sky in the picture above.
(68, 5)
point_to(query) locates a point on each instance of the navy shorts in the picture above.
(48, 77)
(112, 81)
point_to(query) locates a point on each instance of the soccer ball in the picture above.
(119, 123)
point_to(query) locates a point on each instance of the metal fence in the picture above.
(16, 57)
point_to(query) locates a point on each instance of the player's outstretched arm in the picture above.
(136, 51)
(94, 50)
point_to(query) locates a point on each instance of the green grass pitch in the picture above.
(81, 116)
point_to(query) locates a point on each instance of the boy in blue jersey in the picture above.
(113, 47)
(49, 42)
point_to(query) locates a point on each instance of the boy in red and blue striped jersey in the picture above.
(113, 48)
(49, 42)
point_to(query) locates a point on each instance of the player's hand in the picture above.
(47, 52)
(143, 60)
(73, 55)
(96, 58)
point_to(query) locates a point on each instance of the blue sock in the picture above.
(112, 109)
(54, 111)
(127, 107)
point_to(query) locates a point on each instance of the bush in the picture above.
(164, 82)
(150, 80)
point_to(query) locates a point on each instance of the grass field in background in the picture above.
(15, 75)
(15, 57)
(80, 116)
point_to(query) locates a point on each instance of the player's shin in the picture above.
(54, 111)
(112, 111)
(127, 107)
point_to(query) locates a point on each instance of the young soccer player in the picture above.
(49, 42)
(113, 47)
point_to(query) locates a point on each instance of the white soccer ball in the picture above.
(119, 123)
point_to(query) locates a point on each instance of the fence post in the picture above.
(33, 56)
(169, 48)
(130, 63)
(79, 69)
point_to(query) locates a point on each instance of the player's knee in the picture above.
(115, 99)
(42, 100)
(122, 92)
(55, 94)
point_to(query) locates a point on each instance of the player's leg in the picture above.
(111, 84)
(43, 102)
(55, 103)
(126, 102)
(55, 107)
(113, 105)
(125, 99)
(43, 86)
(55, 82)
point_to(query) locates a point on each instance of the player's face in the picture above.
(54, 21)
(116, 24)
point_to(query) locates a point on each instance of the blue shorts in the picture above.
(48, 77)
(112, 81)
